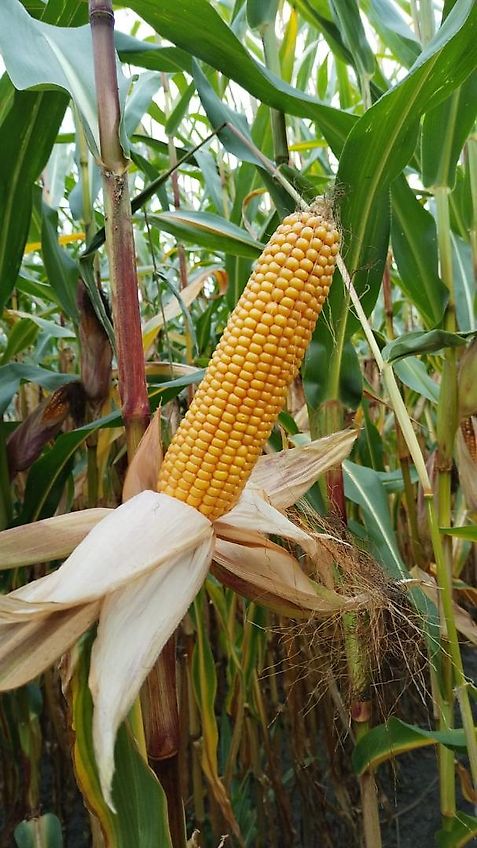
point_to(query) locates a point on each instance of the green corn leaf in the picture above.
(444, 132)
(469, 532)
(363, 487)
(396, 737)
(352, 32)
(179, 111)
(29, 125)
(219, 113)
(325, 25)
(139, 799)
(413, 343)
(315, 374)
(47, 476)
(145, 54)
(62, 271)
(413, 373)
(464, 284)
(26, 138)
(39, 54)
(376, 150)
(461, 830)
(39, 832)
(288, 47)
(394, 31)
(21, 336)
(138, 101)
(49, 328)
(209, 231)
(219, 47)
(14, 373)
(414, 240)
(41, 292)
(393, 481)
(204, 679)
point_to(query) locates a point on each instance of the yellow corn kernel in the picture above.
(258, 356)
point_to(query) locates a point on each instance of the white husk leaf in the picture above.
(29, 647)
(287, 475)
(268, 574)
(135, 538)
(51, 538)
(15, 610)
(253, 512)
(135, 623)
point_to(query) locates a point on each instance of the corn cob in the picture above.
(232, 414)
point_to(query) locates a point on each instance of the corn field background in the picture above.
(262, 724)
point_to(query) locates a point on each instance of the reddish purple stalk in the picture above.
(118, 227)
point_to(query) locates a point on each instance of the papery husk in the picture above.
(135, 623)
(48, 539)
(268, 575)
(96, 354)
(27, 648)
(137, 537)
(253, 512)
(287, 475)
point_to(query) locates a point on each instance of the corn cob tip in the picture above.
(245, 386)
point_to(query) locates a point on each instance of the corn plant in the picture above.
(227, 610)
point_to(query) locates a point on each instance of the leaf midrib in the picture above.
(19, 160)
(384, 160)
(376, 518)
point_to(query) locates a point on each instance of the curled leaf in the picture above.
(29, 647)
(135, 538)
(253, 512)
(270, 576)
(287, 475)
(51, 538)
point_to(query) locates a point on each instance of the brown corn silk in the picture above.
(244, 388)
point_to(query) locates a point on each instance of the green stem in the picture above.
(460, 683)
(427, 24)
(334, 373)
(472, 165)
(443, 575)
(183, 276)
(87, 210)
(272, 61)
(446, 430)
(369, 798)
(441, 194)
